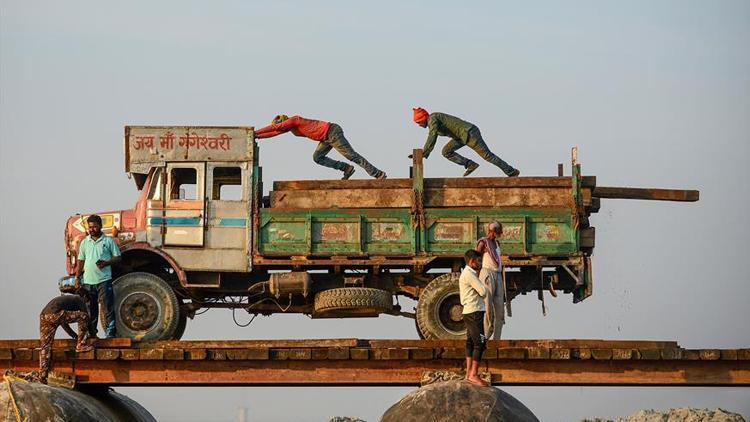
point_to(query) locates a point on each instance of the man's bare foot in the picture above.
(477, 381)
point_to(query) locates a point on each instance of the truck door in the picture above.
(227, 214)
(184, 214)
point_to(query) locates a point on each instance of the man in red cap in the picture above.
(329, 135)
(461, 133)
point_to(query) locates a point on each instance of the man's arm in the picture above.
(480, 246)
(429, 144)
(79, 272)
(116, 258)
(277, 129)
(79, 264)
(477, 285)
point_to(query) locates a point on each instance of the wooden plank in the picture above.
(23, 353)
(6, 354)
(300, 354)
(129, 354)
(511, 353)
(671, 354)
(196, 354)
(248, 344)
(107, 354)
(489, 354)
(453, 353)
(279, 354)
(60, 355)
(359, 353)
(322, 354)
(622, 354)
(236, 354)
(538, 352)
(216, 354)
(559, 354)
(174, 354)
(337, 353)
(64, 344)
(710, 354)
(729, 354)
(649, 354)
(601, 354)
(691, 354)
(548, 343)
(580, 353)
(151, 354)
(90, 355)
(743, 354)
(421, 353)
(259, 354)
(651, 194)
(390, 354)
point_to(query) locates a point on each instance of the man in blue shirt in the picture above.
(96, 255)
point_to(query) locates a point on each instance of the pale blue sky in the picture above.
(654, 93)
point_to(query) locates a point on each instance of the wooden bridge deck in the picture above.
(334, 362)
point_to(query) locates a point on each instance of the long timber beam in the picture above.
(342, 362)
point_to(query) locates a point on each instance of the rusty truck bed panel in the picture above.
(439, 192)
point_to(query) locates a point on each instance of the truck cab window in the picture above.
(183, 186)
(154, 191)
(227, 185)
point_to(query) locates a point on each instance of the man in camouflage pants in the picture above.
(461, 133)
(62, 310)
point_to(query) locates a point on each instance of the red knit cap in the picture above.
(420, 115)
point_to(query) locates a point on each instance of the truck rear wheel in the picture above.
(439, 310)
(353, 301)
(146, 307)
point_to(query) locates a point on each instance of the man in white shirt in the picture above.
(492, 277)
(472, 293)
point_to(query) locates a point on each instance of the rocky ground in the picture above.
(681, 414)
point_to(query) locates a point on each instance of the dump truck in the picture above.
(203, 235)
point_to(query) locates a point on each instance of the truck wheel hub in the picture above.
(456, 313)
(449, 313)
(139, 311)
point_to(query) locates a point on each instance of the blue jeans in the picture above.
(337, 141)
(103, 293)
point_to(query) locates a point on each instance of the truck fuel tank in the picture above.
(295, 282)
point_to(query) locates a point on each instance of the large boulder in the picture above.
(681, 414)
(30, 401)
(458, 401)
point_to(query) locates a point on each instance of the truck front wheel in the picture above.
(146, 307)
(439, 310)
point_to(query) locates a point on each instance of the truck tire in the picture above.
(181, 325)
(353, 301)
(439, 310)
(146, 307)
